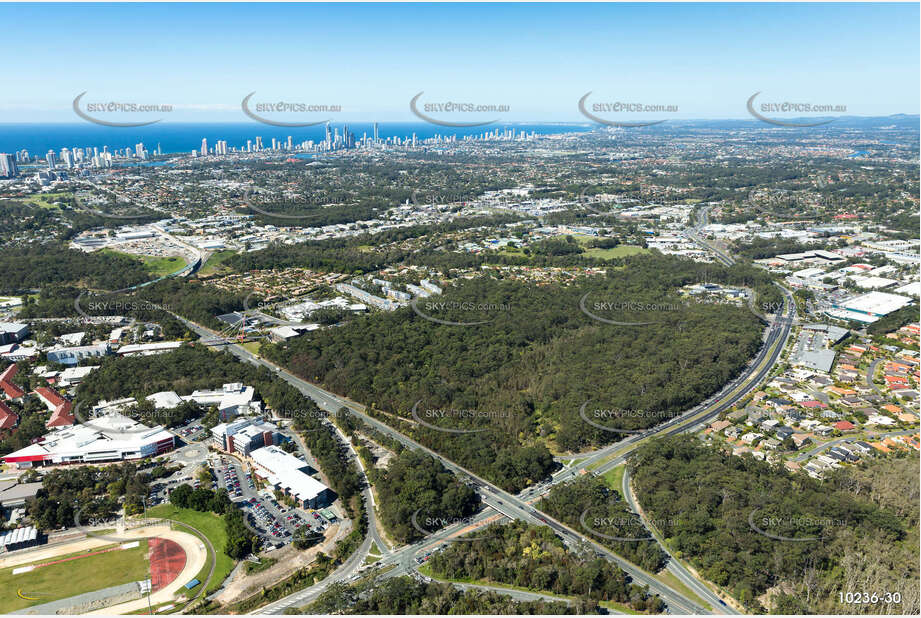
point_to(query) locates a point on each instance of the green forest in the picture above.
(533, 557)
(63, 221)
(153, 303)
(416, 487)
(605, 515)
(777, 540)
(89, 494)
(516, 377)
(406, 596)
(241, 542)
(27, 268)
(351, 255)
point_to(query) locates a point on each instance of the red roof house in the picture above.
(59, 406)
(6, 383)
(8, 418)
(844, 426)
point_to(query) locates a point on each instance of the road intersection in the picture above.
(497, 501)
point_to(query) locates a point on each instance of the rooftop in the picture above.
(287, 471)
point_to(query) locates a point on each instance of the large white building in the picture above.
(870, 307)
(13, 332)
(231, 400)
(113, 437)
(287, 473)
(148, 349)
(245, 435)
(73, 355)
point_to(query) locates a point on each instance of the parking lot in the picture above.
(191, 432)
(273, 521)
(161, 488)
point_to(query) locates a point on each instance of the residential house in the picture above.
(783, 432)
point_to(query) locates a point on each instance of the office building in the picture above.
(231, 400)
(8, 418)
(60, 407)
(73, 355)
(431, 287)
(13, 332)
(245, 435)
(288, 474)
(10, 390)
(870, 307)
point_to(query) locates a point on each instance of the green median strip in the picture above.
(673, 582)
(614, 479)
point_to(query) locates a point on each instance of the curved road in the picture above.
(674, 565)
(519, 506)
(502, 501)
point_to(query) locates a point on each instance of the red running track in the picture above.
(167, 559)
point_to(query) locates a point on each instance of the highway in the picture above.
(518, 507)
(501, 501)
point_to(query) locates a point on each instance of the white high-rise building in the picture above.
(8, 166)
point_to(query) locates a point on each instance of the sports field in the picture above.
(72, 574)
(212, 526)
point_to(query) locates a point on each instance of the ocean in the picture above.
(180, 137)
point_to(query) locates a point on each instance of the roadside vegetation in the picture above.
(855, 531)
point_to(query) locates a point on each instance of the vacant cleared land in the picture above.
(215, 263)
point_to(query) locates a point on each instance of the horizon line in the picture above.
(484, 126)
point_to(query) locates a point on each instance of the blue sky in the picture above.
(538, 59)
